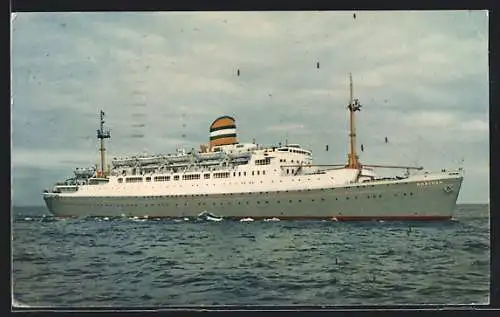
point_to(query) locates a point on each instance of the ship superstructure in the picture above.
(247, 180)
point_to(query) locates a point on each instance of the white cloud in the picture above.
(430, 119)
(475, 125)
(25, 158)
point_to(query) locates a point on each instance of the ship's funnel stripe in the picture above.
(222, 136)
(230, 126)
(223, 141)
(223, 132)
(222, 121)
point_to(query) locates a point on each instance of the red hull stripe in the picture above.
(355, 218)
(338, 218)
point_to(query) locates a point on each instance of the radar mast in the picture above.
(101, 135)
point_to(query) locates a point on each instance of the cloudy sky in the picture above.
(163, 77)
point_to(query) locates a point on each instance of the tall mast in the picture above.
(353, 106)
(101, 135)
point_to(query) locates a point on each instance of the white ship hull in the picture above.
(415, 198)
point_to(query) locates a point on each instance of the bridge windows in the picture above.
(265, 161)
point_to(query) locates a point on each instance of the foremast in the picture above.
(101, 135)
(353, 106)
(352, 157)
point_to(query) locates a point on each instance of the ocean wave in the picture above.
(120, 262)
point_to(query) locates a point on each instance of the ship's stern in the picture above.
(49, 199)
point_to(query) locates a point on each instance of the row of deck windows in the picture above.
(239, 202)
(262, 193)
(292, 161)
(188, 177)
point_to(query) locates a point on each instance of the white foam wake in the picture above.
(246, 220)
(272, 219)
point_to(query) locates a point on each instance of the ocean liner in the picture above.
(249, 181)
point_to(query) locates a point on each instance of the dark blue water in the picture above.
(124, 262)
